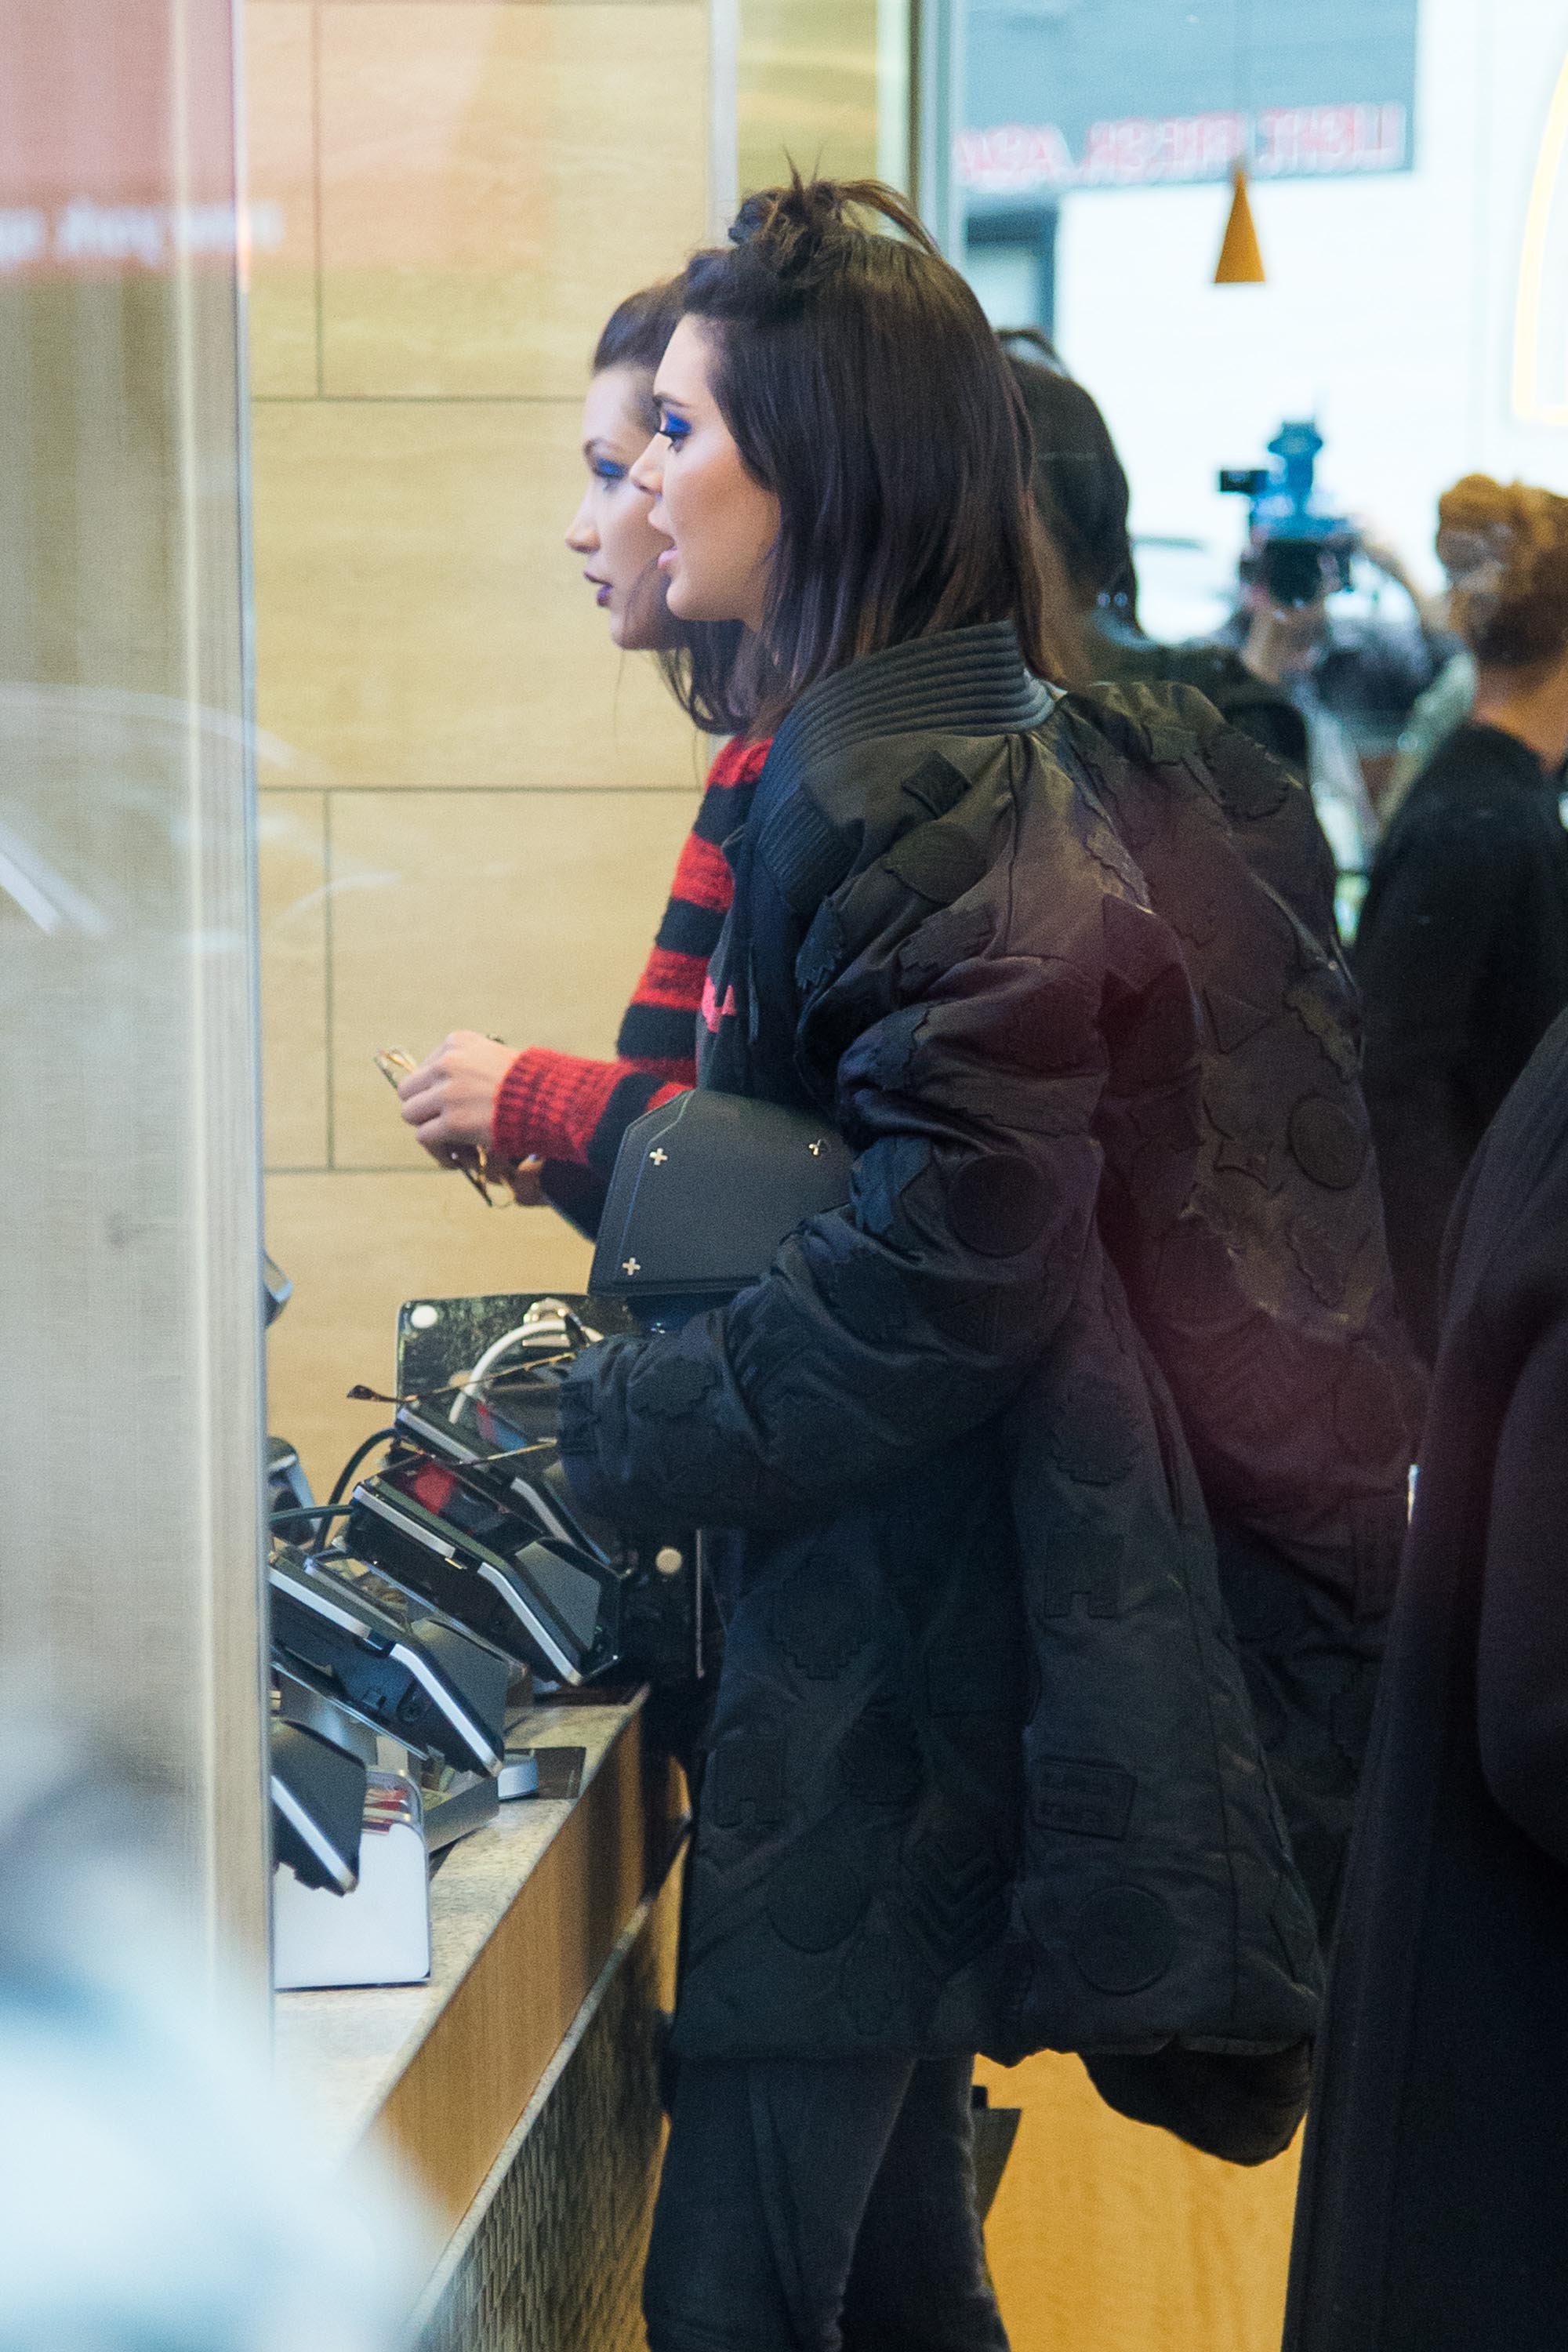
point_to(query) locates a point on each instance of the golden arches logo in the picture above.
(1533, 400)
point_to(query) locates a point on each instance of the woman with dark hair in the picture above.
(1462, 953)
(551, 1120)
(983, 1771)
(1306, 1646)
(821, 588)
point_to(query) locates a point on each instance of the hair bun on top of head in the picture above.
(792, 230)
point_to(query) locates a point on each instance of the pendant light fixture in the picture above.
(1240, 255)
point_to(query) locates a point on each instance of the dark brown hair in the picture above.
(1505, 547)
(1080, 486)
(636, 333)
(700, 664)
(864, 388)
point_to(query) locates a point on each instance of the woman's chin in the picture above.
(689, 600)
(630, 633)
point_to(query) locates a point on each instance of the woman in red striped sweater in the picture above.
(554, 1120)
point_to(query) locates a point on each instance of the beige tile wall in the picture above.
(420, 621)
(279, 67)
(807, 88)
(492, 177)
(471, 806)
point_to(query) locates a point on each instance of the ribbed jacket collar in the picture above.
(964, 682)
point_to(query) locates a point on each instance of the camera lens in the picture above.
(1293, 570)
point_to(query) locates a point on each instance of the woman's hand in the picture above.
(450, 1101)
(526, 1181)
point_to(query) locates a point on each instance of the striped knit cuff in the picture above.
(548, 1105)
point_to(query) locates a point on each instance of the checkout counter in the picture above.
(477, 1891)
(519, 2085)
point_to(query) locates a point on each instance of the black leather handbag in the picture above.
(705, 1188)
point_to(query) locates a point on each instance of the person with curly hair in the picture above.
(1462, 953)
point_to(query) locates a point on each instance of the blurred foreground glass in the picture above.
(129, 1250)
(154, 2190)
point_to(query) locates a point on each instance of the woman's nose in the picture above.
(649, 471)
(581, 536)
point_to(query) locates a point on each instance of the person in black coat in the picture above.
(1462, 953)
(1080, 490)
(1310, 1647)
(984, 1771)
(1431, 2209)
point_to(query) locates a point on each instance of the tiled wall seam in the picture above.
(419, 399)
(514, 792)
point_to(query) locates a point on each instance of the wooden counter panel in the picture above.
(452, 2110)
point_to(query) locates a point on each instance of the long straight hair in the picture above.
(864, 387)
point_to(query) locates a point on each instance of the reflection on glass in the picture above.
(129, 1291)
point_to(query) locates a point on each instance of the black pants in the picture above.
(820, 2206)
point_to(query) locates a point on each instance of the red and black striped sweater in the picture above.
(565, 1107)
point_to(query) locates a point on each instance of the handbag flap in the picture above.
(705, 1188)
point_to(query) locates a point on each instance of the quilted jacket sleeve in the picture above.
(892, 1327)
